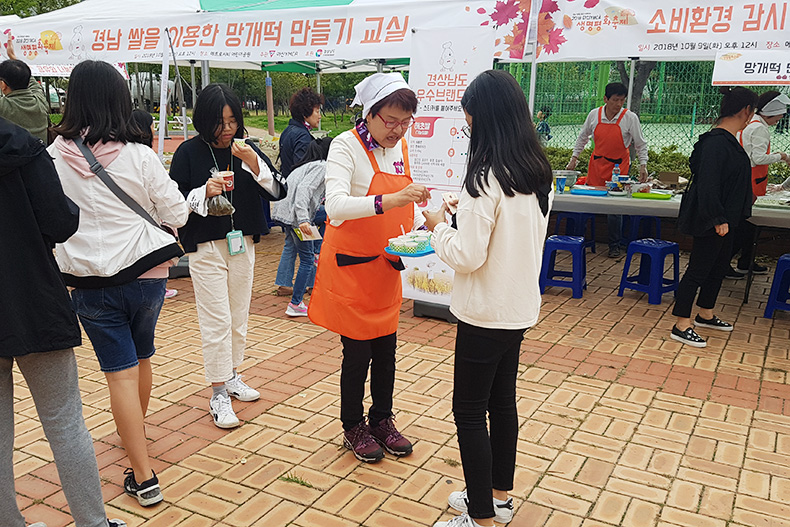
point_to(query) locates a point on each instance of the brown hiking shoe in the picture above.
(362, 444)
(388, 437)
(284, 291)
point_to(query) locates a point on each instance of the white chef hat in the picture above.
(776, 106)
(374, 88)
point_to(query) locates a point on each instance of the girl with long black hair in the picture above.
(502, 215)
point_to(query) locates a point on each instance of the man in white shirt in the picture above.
(612, 128)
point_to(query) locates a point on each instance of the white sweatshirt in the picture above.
(496, 254)
(348, 177)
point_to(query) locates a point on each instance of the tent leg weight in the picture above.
(429, 309)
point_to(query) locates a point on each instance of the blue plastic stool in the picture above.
(780, 288)
(578, 276)
(650, 278)
(576, 225)
(638, 224)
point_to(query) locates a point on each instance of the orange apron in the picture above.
(759, 172)
(609, 150)
(357, 289)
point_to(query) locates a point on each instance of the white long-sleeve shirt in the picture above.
(496, 254)
(630, 127)
(348, 177)
(755, 139)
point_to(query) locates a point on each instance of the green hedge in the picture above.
(668, 159)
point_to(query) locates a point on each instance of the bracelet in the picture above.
(378, 204)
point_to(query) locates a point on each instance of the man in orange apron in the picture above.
(756, 141)
(613, 129)
(370, 197)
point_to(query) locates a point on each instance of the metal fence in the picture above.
(678, 102)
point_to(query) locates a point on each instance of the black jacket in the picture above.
(719, 190)
(191, 167)
(293, 144)
(35, 310)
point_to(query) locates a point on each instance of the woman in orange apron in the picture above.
(756, 140)
(370, 197)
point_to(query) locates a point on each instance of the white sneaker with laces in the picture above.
(503, 512)
(239, 389)
(222, 411)
(459, 521)
(117, 523)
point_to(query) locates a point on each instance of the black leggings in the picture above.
(486, 366)
(358, 355)
(708, 263)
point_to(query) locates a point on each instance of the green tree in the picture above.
(25, 8)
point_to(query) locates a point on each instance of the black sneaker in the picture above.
(714, 323)
(147, 492)
(614, 252)
(733, 274)
(117, 523)
(689, 337)
(756, 269)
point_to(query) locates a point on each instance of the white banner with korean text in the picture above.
(581, 30)
(755, 68)
(443, 63)
(342, 32)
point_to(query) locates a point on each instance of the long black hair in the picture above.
(207, 115)
(99, 100)
(503, 139)
(318, 150)
(143, 120)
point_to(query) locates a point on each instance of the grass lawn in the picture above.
(335, 123)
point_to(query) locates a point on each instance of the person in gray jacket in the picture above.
(298, 211)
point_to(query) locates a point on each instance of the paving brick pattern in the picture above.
(619, 425)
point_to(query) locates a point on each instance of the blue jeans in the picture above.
(120, 321)
(285, 270)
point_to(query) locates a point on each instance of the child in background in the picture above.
(146, 123)
(300, 208)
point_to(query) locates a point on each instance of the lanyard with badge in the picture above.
(234, 238)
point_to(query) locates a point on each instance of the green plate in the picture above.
(650, 195)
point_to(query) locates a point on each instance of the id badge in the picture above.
(235, 242)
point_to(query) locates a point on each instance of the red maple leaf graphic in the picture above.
(504, 12)
(589, 4)
(549, 6)
(555, 40)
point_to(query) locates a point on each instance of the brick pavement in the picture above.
(619, 424)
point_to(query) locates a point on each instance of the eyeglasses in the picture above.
(230, 124)
(467, 130)
(391, 125)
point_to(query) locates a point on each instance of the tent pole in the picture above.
(631, 81)
(194, 86)
(163, 98)
(380, 65)
(269, 105)
(318, 85)
(533, 79)
(205, 78)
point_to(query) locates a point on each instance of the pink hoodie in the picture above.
(105, 154)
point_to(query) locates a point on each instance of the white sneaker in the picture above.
(296, 311)
(117, 523)
(503, 512)
(222, 411)
(239, 389)
(459, 521)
